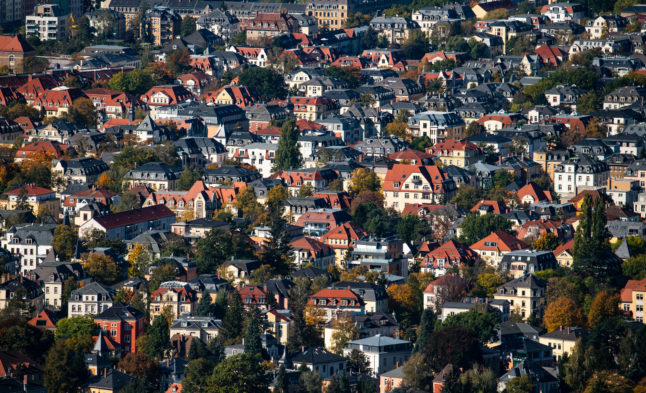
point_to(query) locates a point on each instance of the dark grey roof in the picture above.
(120, 312)
(95, 288)
(114, 380)
(316, 356)
(279, 286)
(309, 272)
(365, 290)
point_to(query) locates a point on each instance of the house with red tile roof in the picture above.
(73, 203)
(420, 209)
(336, 302)
(57, 101)
(551, 55)
(14, 364)
(173, 295)
(412, 156)
(199, 201)
(312, 108)
(34, 87)
(318, 178)
(27, 125)
(532, 193)
(335, 199)
(485, 206)
(532, 230)
(451, 254)
(195, 81)
(492, 248)
(54, 149)
(318, 222)
(13, 51)
(632, 299)
(342, 238)
(454, 152)
(500, 120)
(255, 56)
(115, 104)
(46, 319)
(39, 199)
(241, 96)
(354, 62)
(254, 296)
(8, 95)
(573, 122)
(416, 184)
(127, 225)
(166, 95)
(564, 255)
(307, 250)
(449, 287)
(434, 57)
(123, 325)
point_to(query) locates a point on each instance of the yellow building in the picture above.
(329, 13)
(40, 200)
(549, 160)
(458, 153)
(632, 299)
(564, 255)
(159, 25)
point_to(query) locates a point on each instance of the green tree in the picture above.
(411, 227)
(178, 61)
(306, 190)
(82, 112)
(128, 201)
(588, 103)
(477, 226)
(457, 345)
(479, 320)
(188, 177)
(287, 153)
(267, 82)
(467, 197)
(426, 327)
(520, 385)
(157, 339)
(217, 246)
(17, 335)
(276, 197)
(188, 26)
(74, 326)
(232, 321)
(282, 383)
(247, 204)
(102, 268)
(239, 374)
(204, 306)
(310, 381)
(196, 375)
(546, 242)
(252, 344)
(64, 242)
(349, 75)
(415, 45)
(65, 369)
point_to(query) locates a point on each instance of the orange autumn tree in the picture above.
(603, 306)
(563, 312)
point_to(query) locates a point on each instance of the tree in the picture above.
(456, 345)
(591, 250)
(239, 374)
(363, 179)
(74, 326)
(157, 339)
(247, 204)
(65, 369)
(252, 344)
(135, 82)
(499, 13)
(282, 383)
(196, 375)
(474, 128)
(588, 103)
(217, 246)
(162, 273)
(276, 197)
(82, 112)
(404, 302)
(232, 323)
(562, 312)
(415, 45)
(476, 380)
(306, 190)
(398, 129)
(467, 197)
(139, 365)
(139, 259)
(374, 198)
(64, 242)
(188, 177)
(411, 227)
(358, 362)
(425, 330)
(102, 268)
(17, 335)
(178, 61)
(287, 153)
(204, 306)
(349, 75)
(635, 267)
(608, 382)
(477, 226)
(344, 332)
(479, 320)
(603, 306)
(188, 26)
(546, 242)
(267, 82)
(128, 201)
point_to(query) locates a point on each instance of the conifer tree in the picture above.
(282, 384)
(232, 321)
(426, 327)
(287, 154)
(252, 344)
(204, 306)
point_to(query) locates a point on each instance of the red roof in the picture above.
(45, 320)
(313, 246)
(445, 281)
(412, 156)
(452, 253)
(335, 294)
(30, 191)
(347, 231)
(496, 207)
(135, 216)
(564, 247)
(535, 191)
(420, 209)
(14, 44)
(449, 145)
(632, 285)
(55, 148)
(499, 241)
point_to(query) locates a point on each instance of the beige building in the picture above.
(562, 340)
(173, 295)
(524, 294)
(204, 328)
(632, 299)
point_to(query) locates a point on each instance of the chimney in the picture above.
(24, 382)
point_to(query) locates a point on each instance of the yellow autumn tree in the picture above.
(603, 306)
(101, 268)
(403, 296)
(139, 259)
(563, 312)
(313, 315)
(344, 332)
(187, 215)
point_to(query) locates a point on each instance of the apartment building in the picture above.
(47, 23)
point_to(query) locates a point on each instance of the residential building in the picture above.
(631, 302)
(31, 242)
(159, 25)
(38, 199)
(395, 29)
(342, 238)
(127, 225)
(271, 25)
(317, 222)
(563, 340)
(493, 247)
(52, 277)
(392, 379)
(319, 360)
(254, 296)
(123, 324)
(373, 297)
(79, 170)
(383, 255)
(13, 51)
(521, 262)
(406, 184)
(459, 153)
(47, 23)
(449, 255)
(437, 126)
(524, 294)
(307, 250)
(155, 175)
(239, 270)
(383, 353)
(31, 293)
(333, 302)
(623, 97)
(93, 298)
(446, 288)
(176, 296)
(203, 328)
(604, 24)
(578, 174)
(561, 12)
(367, 325)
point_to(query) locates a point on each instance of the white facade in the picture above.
(570, 178)
(383, 353)
(47, 23)
(260, 155)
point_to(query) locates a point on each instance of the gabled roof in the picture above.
(316, 356)
(14, 44)
(30, 191)
(563, 248)
(499, 241)
(134, 216)
(120, 312)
